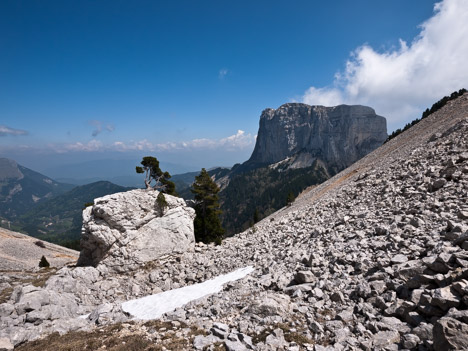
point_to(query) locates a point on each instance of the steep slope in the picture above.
(375, 258)
(264, 190)
(297, 146)
(22, 252)
(21, 189)
(59, 219)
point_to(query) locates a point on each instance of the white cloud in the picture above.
(91, 146)
(4, 131)
(223, 73)
(238, 141)
(400, 83)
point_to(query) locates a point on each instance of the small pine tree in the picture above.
(153, 172)
(161, 201)
(256, 216)
(43, 263)
(207, 225)
(290, 198)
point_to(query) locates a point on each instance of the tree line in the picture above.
(207, 224)
(435, 107)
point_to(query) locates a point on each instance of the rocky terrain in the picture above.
(376, 258)
(298, 146)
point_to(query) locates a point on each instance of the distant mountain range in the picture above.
(121, 172)
(42, 207)
(59, 219)
(21, 189)
(297, 146)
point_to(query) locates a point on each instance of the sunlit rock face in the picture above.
(337, 136)
(122, 231)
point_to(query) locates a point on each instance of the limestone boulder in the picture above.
(122, 231)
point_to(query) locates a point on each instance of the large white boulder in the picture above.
(124, 230)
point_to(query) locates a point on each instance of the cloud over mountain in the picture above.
(399, 83)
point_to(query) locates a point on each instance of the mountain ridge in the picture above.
(22, 188)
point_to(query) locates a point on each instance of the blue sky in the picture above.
(186, 81)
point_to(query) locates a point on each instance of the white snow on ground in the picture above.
(154, 306)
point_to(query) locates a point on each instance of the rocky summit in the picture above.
(375, 258)
(336, 136)
(125, 230)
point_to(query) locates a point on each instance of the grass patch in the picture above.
(106, 339)
(37, 279)
(120, 337)
(290, 334)
(5, 294)
(41, 278)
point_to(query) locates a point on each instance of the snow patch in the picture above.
(154, 306)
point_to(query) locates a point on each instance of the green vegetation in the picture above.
(435, 107)
(161, 201)
(207, 224)
(18, 196)
(256, 216)
(263, 191)
(153, 172)
(43, 263)
(290, 199)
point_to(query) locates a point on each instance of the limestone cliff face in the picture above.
(337, 136)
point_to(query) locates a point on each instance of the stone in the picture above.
(384, 339)
(31, 298)
(437, 184)
(450, 334)
(125, 230)
(378, 286)
(234, 346)
(6, 345)
(202, 341)
(337, 296)
(410, 341)
(220, 330)
(247, 340)
(304, 277)
(354, 132)
(316, 327)
(461, 287)
(6, 309)
(345, 316)
(270, 304)
(445, 298)
(276, 339)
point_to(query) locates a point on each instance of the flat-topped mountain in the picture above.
(337, 136)
(297, 146)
